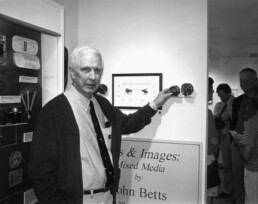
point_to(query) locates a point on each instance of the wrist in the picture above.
(153, 105)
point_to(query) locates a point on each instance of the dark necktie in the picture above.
(109, 169)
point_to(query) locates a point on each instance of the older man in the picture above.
(77, 140)
(241, 111)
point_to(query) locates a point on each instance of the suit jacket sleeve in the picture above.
(136, 121)
(130, 123)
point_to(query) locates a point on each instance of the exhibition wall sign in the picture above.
(158, 171)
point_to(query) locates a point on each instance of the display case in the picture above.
(31, 73)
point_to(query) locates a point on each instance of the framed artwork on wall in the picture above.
(132, 91)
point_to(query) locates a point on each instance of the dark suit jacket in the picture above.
(235, 108)
(55, 163)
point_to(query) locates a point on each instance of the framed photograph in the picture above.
(132, 91)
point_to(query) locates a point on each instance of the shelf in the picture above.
(13, 124)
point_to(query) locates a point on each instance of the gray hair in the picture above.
(79, 52)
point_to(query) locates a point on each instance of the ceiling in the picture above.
(233, 27)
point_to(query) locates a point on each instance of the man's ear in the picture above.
(72, 73)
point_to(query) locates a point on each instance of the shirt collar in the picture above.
(81, 99)
(229, 100)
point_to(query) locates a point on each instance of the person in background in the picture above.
(248, 143)
(67, 164)
(212, 140)
(241, 111)
(223, 110)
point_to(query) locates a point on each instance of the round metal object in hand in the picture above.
(175, 90)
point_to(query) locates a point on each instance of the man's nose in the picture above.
(92, 74)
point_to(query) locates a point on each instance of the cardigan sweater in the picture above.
(55, 163)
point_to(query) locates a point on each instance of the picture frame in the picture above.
(133, 91)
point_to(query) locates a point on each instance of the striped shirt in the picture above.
(245, 111)
(250, 138)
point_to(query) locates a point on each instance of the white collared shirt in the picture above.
(92, 166)
(227, 114)
(219, 106)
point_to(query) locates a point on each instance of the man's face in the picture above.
(86, 78)
(246, 81)
(211, 91)
(224, 96)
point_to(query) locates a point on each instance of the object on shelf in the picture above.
(3, 53)
(24, 45)
(187, 89)
(27, 61)
(15, 114)
(2, 117)
(28, 105)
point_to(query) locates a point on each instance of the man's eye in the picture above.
(89, 69)
(86, 69)
(97, 70)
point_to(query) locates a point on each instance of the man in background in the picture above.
(241, 111)
(223, 110)
(212, 143)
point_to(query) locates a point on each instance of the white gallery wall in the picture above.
(150, 36)
(70, 21)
